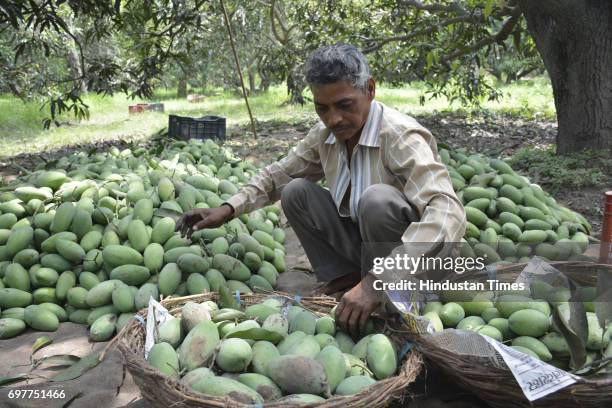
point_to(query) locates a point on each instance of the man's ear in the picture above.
(371, 92)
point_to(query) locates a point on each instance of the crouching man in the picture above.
(386, 184)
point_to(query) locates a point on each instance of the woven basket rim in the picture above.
(497, 386)
(522, 265)
(425, 340)
(377, 394)
(493, 383)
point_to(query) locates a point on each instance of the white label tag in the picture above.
(156, 315)
(536, 378)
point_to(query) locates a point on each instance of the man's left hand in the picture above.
(357, 305)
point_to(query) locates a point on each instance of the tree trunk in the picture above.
(73, 57)
(264, 77)
(264, 83)
(74, 64)
(251, 75)
(296, 84)
(574, 38)
(181, 90)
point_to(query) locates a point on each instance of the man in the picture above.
(386, 183)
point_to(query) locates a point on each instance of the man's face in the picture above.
(342, 108)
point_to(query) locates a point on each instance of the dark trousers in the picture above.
(333, 243)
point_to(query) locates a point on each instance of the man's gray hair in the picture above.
(338, 62)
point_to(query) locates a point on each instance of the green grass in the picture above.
(21, 123)
(530, 99)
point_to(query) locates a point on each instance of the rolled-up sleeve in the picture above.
(265, 187)
(427, 186)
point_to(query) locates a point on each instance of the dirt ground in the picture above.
(108, 385)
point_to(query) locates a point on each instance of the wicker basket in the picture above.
(162, 391)
(494, 383)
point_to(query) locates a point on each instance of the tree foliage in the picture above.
(58, 49)
(449, 44)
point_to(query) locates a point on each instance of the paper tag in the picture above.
(536, 378)
(156, 315)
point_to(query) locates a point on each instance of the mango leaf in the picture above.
(78, 369)
(603, 310)
(51, 164)
(570, 320)
(55, 361)
(151, 162)
(40, 343)
(226, 314)
(257, 334)
(156, 151)
(12, 379)
(429, 58)
(603, 302)
(226, 300)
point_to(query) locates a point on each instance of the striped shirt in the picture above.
(359, 175)
(393, 149)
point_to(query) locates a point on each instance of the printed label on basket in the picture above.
(404, 303)
(156, 315)
(402, 300)
(536, 378)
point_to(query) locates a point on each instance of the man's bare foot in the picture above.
(340, 284)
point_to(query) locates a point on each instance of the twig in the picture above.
(602, 362)
(231, 38)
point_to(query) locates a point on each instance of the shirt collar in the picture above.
(370, 133)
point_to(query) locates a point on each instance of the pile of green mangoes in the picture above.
(523, 320)
(97, 238)
(270, 351)
(510, 218)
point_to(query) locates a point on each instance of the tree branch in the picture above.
(432, 28)
(452, 8)
(62, 24)
(280, 18)
(501, 35)
(273, 21)
(510, 9)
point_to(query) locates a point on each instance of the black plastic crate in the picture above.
(206, 127)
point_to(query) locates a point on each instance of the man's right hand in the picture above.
(200, 218)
